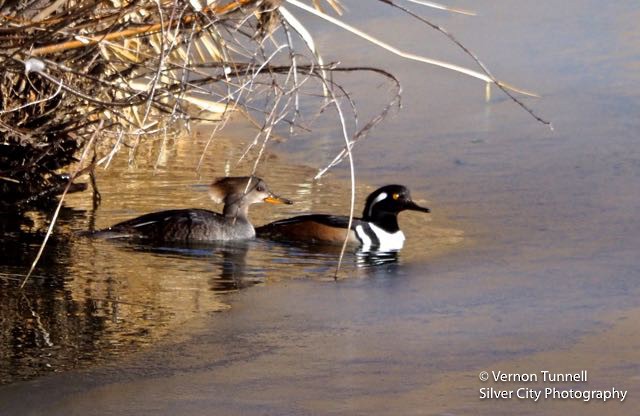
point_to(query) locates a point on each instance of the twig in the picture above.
(57, 211)
(373, 122)
(352, 176)
(154, 83)
(84, 41)
(506, 88)
(399, 52)
(443, 7)
(46, 336)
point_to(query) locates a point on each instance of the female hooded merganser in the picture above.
(378, 228)
(200, 225)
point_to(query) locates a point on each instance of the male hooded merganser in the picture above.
(378, 228)
(201, 225)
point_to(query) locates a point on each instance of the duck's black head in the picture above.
(384, 204)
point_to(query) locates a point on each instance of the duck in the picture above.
(201, 225)
(377, 228)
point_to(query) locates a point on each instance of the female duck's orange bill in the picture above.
(274, 199)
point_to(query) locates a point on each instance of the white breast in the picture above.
(362, 235)
(388, 241)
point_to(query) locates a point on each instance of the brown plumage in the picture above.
(377, 228)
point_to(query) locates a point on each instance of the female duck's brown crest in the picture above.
(223, 187)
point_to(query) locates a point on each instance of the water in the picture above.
(530, 261)
(93, 300)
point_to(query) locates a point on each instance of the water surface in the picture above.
(529, 261)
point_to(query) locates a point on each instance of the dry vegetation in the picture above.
(136, 68)
(141, 68)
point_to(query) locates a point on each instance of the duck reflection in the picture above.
(229, 258)
(327, 254)
(91, 299)
(376, 258)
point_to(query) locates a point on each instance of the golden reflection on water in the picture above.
(94, 299)
(552, 282)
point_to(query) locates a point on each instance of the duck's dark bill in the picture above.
(273, 199)
(415, 207)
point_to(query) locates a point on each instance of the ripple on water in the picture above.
(92, 300)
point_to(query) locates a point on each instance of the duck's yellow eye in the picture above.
(396, 196)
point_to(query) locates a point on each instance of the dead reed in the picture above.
(147, 69)
(98, 77)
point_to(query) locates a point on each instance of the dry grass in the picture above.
(102, 76)
(147, 69)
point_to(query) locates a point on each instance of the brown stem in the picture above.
(90, 41)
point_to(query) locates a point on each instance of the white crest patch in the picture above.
(379, 198)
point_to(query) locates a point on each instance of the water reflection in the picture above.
(231, 256)
(91, 300)
(376, 258)
(354, 256)
(43, 327)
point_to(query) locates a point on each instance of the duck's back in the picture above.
(332, 229)
(311, 228)
(182, 225)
